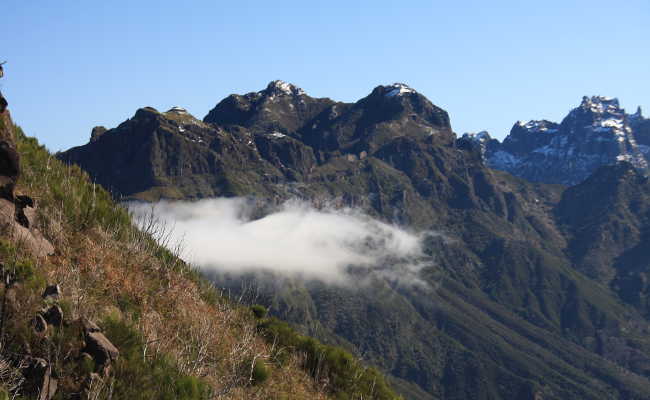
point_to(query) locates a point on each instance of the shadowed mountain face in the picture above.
(596, 133)
(531, 290)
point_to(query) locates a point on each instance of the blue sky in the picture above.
(76, 64)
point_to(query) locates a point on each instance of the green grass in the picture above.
(79, 203)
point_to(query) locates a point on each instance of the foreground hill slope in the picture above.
(509, 303)
(100, 310)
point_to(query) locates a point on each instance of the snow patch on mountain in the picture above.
(536, 126)
(283, 88)
(398, 89)
(277, 135)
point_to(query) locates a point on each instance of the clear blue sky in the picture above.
(76, 64)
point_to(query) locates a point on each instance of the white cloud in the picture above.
(295, 239)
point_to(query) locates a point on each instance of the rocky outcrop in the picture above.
(52, 292)
(9, 159)
(39, 324)
(41, 381)
(96, 133)
(17, 212)
(53, 315)
(100, 348)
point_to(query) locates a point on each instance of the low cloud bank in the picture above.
(295, 239)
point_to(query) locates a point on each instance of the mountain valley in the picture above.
(532, 289)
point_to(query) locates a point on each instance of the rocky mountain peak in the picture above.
(397, 90)
(601, 104)
(177, 110)
(596, 133)
(480, 141)
(538, 126)
(482, 136)
(280, 88)
(96, 133)
(145, 112)
(601, 119)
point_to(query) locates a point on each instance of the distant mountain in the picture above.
(596, 133)
(530, 293)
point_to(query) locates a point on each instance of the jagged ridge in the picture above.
(596, 133)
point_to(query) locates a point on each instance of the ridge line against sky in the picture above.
(75, 65)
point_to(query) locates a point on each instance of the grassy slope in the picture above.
(177, 336)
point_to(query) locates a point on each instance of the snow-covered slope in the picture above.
(596, 133)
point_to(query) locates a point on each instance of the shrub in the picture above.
(260, 372)
(259, 311)
(151, 378)
(347, 377)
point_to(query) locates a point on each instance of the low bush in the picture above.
(138, 376)
(347, 377)
(260, 372)
(259, 311)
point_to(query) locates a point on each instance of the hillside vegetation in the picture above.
(176, 337)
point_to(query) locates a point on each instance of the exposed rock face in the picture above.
(9, 159)
(17, 214)
(512, 293)
(596, 133)
(280, 130)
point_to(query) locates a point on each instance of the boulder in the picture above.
(100, 348)
(52, 291)
(25, 211)
(31, 239)
(39, 325)
(89, 326)
(54, 315)
(9, 169)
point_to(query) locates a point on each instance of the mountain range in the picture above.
(535, 290)
(598, 132)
